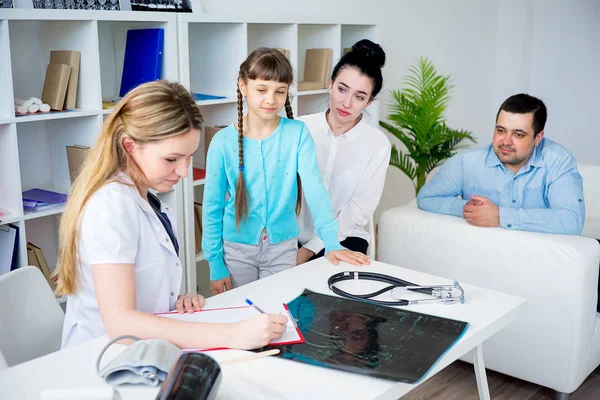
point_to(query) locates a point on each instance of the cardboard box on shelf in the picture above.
(198, 226)
(317, 66)
(72, 59)
(36, 257)
(76, 155)
(285, 52)
(209, 133)
(55, 85)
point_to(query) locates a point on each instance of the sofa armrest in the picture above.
(557, 274)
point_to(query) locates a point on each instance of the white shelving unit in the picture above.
(33, 148)
(211, 48)
(202, 51)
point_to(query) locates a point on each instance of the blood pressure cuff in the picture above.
(145, 362)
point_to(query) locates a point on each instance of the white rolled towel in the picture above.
(21, 102)
(20, 109)
(33, 108)
(45, 107)
(37, 101)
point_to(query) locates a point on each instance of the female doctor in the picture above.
(118, 253)
(352, 154)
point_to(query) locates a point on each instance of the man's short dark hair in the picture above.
(524, 104)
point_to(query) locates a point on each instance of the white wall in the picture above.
(557, 59)
(492, 49)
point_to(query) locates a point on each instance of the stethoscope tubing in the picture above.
(373, 276)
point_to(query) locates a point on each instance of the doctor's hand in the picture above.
(221, 285)
(351, 257)
(481, 211)
(189, 302)
(258, 331)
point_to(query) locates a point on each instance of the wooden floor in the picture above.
(457, 382)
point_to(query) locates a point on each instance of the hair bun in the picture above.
(366, 48)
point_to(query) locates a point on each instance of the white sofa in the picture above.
(555, 341)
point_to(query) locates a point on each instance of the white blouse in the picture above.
(118, 226)
(353, 166)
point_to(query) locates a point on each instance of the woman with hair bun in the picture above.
(353, 155)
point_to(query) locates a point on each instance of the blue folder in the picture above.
(202, 96)
(143, 58)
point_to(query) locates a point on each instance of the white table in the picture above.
(487, 312)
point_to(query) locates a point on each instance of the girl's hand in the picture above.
(258, 331)
(189, 303)
(351, 257)
(221, 285)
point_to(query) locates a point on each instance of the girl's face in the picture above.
(164, 162)
(264, 98)
(349, 94)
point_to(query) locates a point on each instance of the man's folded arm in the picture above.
(440, 194)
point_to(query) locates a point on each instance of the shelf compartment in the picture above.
(112, 39)
(312, 103)
(10, 196)
(226, 100)
(30, 46)
(283, 36)
(214, 52)
(43, 155)
(8, 218)
(6, 92)
(31, 214)
(310, 92)
(43, 232)
(318, 36)
(78, 112)
(353, 33)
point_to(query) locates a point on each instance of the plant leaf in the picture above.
(417, 119)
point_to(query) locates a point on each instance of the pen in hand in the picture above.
(288, 315)
(255, 306)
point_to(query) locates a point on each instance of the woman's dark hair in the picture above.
(268, 65)
(368, 58)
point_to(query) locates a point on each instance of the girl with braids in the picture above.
(353, 155)
(117, 260)
(252, 192)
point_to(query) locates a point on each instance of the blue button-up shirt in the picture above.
(545, 195)
(270, 170)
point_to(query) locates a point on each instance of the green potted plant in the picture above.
(417, 120)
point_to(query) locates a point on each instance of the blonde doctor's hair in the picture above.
(151, 112)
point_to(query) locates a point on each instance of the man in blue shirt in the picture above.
(521, 181)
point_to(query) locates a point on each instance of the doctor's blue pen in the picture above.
(255, 306)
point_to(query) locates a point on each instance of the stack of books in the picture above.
(76, 155)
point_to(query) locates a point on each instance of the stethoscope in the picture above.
(443, 294)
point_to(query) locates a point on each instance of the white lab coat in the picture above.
(118, 226)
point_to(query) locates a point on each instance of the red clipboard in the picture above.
(237, 314)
